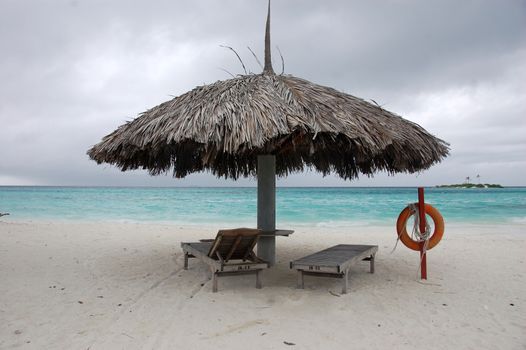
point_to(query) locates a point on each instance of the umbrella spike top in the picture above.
(268, 58)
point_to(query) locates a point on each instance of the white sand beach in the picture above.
(122, 286)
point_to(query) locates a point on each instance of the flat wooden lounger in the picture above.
(231, 252)
(334, 262)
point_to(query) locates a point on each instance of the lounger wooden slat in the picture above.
(231, 252)
(334, 262)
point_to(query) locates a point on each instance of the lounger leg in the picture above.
(345, 282)
(301, 282)
(258, 279)
(371, 262)
(214, 282)
(185, 261)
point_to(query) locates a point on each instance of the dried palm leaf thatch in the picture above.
(224, 126)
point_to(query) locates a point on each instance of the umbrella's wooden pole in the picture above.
(267, 207)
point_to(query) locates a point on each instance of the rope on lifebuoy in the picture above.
(417, 239)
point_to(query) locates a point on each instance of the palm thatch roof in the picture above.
(224, 126)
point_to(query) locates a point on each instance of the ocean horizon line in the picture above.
(241, 187)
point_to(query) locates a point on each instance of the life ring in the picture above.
(406, 239)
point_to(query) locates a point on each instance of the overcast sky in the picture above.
(73, 71)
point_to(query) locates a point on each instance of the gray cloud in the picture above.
(72, 71)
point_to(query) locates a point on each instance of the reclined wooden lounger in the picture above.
(231, 252)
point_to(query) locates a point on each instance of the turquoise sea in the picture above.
(237, 206)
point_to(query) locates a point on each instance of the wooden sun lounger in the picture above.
(231, 252)
(334, 262)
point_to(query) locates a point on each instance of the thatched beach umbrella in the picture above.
(267, 125)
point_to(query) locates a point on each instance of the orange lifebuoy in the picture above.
(438, 221)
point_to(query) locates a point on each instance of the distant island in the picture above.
(468, 185)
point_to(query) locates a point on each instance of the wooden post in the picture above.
(258, 279)
(267, 207)
(301, 281)
(422, 219)
(185, 267)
